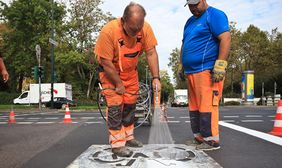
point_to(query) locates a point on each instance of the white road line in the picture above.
(87, 118)
(261, 135)
(253, 116)
(173, 121)
(251, 121)
(230, 116)
(228, 121)
(170, 117)
(271, 116)
(51, 118)
(68, 123)
(94, 122)
(24, 123)
(187, 121)
(184, 117)
(44, 123)
(3, 122)
(32, 118)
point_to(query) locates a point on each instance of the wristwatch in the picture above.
(156, 77)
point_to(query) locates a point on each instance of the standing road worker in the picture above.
(117, 49)
(204, 52)
(3, 70)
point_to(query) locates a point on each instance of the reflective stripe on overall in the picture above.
(120, 108)
(203, 105)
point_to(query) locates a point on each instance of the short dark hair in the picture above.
(128, 12)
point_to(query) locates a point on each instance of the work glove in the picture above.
(219, 70)
(181, 73)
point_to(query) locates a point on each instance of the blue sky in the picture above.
(167, 18)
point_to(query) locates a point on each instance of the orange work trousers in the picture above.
(204, 97)
(121, 108)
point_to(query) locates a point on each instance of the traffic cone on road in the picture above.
(67, 118)
(277, 128)
(12, 118)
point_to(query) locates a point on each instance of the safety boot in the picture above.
(122, 151)
(134, 143)
(193, 142)
(208, 146)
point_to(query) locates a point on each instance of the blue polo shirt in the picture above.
(200, 46)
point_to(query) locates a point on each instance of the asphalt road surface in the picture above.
(43, 140)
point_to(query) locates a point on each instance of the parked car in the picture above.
(60, 103)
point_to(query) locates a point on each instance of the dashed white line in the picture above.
(229, 121)
(51, 118)
(87, 118)
(173, 121)
(31, 118)
(271, 116)
(251, 121)
(23, 123)
(253, 116)
(170, 117)
(94, 122)
(44, 123)
(187, 121)
(230, 116)
(184, 117)
(3, 122)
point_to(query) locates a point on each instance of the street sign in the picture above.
(38, 52)
(53, 42)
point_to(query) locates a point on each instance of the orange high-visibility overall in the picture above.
(203, 100)
(120, 112)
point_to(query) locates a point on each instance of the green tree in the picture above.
(85, 22)
(174, 63)
(167, 87)
(255, 45)
(30, 24)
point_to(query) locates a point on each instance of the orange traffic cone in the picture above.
(12, 119)
(67, 118)
(277, 128)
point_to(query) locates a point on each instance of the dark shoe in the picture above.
(134, 143)
(122, 152)
(208, 146)
(193, 142)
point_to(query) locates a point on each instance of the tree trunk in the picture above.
(20, 83)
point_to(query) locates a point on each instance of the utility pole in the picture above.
(51, 40)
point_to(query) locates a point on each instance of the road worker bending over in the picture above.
(120, 43)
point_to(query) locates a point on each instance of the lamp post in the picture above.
(38, 56)
(233, 66)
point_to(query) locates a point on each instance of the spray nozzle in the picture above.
(157, 93)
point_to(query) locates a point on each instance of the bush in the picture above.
(7, 98)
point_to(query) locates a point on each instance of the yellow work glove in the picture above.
(219, 70)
